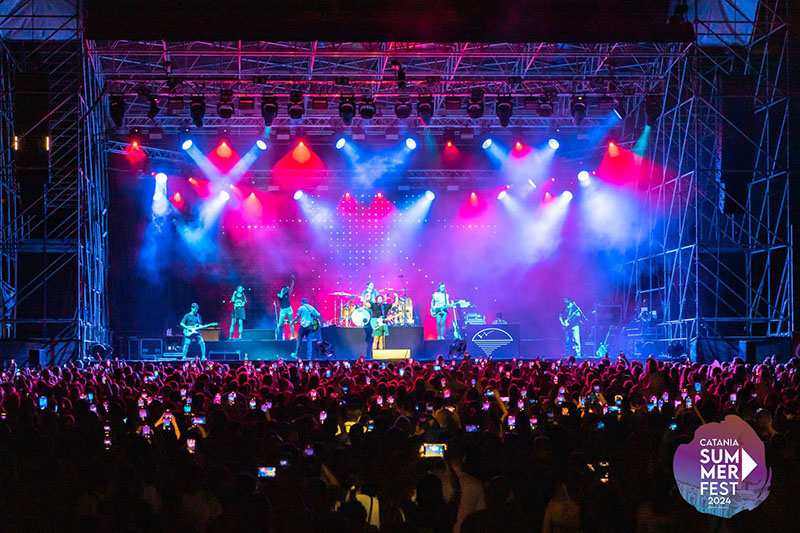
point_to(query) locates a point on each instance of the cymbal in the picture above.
(389, 289)
(346, 294)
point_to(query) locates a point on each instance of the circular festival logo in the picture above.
(491, 339)
(723, 470)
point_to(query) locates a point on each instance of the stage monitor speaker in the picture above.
(133, 348)
(152, 348)
(210, 334)
(708, 350)
(391, 354)
(258, 335)
(757, 350)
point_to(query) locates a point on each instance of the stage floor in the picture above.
(500, 342)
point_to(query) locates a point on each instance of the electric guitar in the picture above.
(602, 350)
(194, 330)
(443, 309)
(575, 317)
(380, 321)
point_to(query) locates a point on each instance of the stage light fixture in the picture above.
(116, 108)
(161, 177)
(504, 108)
(347, 109)
(319, 103)
(449, 144)
(298, 195)
(518, 145)
(430, 195)
(296, 108)
(502, 194)
(402, 109)
(475, 104)
(583, 176)
(411, 144)
(247, 103)
(152, 112)
(225, 105)
(225, 195)
(367, 107)
(158, 196)
(652, 110)
(187, 144)
(340, 142)
(554, 144)
(269, 109)
(545, 107)
(577, 109)
(223, 150)
(261, 143)
(486, 144)
(425, 109)
(567, 195)
(197, 110)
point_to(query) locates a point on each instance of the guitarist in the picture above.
(440, 303)
(380, 328)
(193, 319)
(309, 325)
(571, 319)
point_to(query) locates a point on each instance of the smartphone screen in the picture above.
(190, 445)
(267, 471)
(472, 428)
(323, 416)
(432, 450)
(199, 421)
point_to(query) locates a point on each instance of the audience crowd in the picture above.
(401, 446)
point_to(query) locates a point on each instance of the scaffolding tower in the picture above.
(54, 242)
(715, 265)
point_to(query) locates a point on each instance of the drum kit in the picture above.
(351, 312)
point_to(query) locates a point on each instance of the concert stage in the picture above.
(499, 341)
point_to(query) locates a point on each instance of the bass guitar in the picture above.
(194, 330)
(443, 309)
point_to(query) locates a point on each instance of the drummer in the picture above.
(369, 295)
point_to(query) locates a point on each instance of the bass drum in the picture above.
(360, 316)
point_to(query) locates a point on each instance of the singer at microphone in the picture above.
(237, 314)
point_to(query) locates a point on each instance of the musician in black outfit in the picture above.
(192, 319)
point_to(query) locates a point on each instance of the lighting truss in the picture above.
(626, 71)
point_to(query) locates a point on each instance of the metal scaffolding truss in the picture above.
(623, 71)
(712, 266)
(57, 242)
(9, 198)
